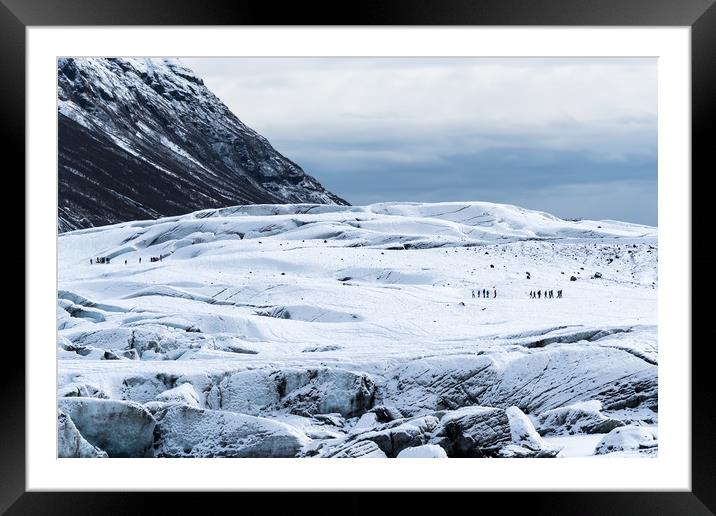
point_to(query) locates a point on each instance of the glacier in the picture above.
(335, 331)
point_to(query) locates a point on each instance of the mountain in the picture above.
(145, 138)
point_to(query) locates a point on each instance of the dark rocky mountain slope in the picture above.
(145, 138)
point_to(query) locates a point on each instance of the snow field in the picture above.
(302, 311)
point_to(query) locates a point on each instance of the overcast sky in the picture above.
(574, 137)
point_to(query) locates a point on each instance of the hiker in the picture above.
(140, 259)
(90, 261)
(539, 294)
(125, 262)
(494, 292)
(473, 293)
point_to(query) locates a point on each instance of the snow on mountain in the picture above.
(352, 331)
(145, 138)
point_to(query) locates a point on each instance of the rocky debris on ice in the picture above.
(366, 422)
(473, 432)
(70, 443)
(305, 391)
(248, 392)
(391, 438)
(356, 450)
(578, 418)
(184, 431)
(397, 435)
(150, 341)
(558, 375)
(184, 394)
(326, 390)
(385, 414)
(376, 416)
(144, 388)
(317, 428)
(490, 432)
(627, 438)
(80, 345)
(146, 339)
(120, 428)
(331, 419)
(425, 451)
(524, 435)
(81, 390)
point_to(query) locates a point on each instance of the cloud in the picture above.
(363, 126)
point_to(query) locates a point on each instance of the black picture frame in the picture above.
(17, 15)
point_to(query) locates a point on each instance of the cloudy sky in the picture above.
(574, 137)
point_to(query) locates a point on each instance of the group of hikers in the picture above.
(105, 259)
(485, 292)
(534, 294)
(538, 294)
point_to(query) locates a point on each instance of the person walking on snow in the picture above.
(473, 293)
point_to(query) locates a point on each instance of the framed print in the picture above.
(264, 248)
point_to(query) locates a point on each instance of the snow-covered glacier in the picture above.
(315, 330)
